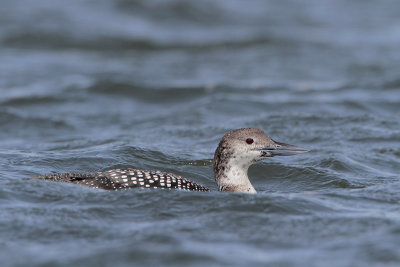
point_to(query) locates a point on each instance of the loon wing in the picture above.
(120, 179)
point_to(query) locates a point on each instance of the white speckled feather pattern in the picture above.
(120, 179)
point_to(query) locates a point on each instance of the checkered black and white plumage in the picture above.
(120, 179)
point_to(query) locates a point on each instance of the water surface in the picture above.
(94, 85)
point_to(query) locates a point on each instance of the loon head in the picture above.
(241, 148)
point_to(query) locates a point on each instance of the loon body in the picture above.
(236, 152)
(119, 179)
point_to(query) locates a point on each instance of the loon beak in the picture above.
(282, 149)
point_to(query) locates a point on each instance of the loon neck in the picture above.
(230, 172)
(235, 179)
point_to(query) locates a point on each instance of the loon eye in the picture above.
(249, 141)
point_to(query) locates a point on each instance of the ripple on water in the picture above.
(154, 85)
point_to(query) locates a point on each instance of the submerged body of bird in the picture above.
(236, 152)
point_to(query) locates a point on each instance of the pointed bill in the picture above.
(282, 149)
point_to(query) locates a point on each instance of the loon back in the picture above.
(236, 152)
(120, 179)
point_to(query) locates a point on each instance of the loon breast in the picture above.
(120, 179)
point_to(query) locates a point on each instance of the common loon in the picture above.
(236, 152)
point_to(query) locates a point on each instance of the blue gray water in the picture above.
(154, 84)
